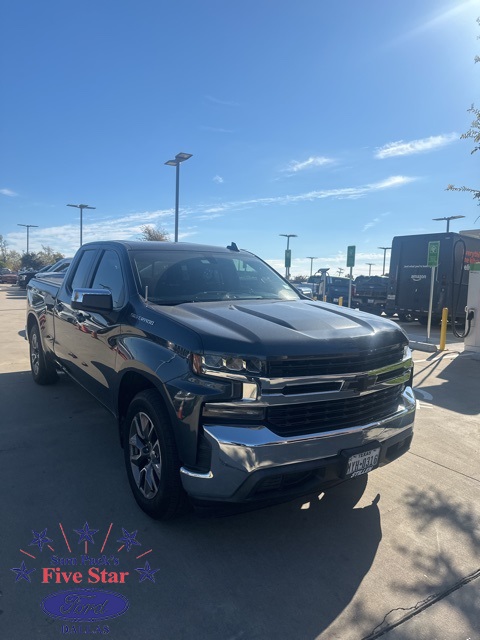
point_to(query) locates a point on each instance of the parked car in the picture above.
(304, 288)
(60, 266)
(228, 385)
(370, 294)
(7, 276)
(331, 288)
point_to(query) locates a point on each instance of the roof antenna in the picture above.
(233, 247)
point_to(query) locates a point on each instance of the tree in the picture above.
(300, 279)
(31, 261)
(473, 132)
(14, 260)
(3, 250)
(40, 259)
(48, 256)
(150, 233)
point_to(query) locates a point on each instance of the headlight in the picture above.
(226, 365)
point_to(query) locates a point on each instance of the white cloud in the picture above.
(401, 148)
(128, 227)
(217, 129)
(375, 221)
(8, 192)
(223, 103)
(314, 161)
(218, 179)
(371, 224)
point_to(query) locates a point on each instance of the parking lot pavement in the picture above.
(396, 557)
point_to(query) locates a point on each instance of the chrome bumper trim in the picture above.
(237, 451)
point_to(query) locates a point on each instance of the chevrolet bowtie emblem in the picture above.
(362, 383)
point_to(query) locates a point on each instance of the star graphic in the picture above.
(147, 572)
(129, 539)
(22, 572)
(86, 533)
(40, 539)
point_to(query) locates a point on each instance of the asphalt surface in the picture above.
(396, 557)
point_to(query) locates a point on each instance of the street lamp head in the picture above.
(81, 206)
(449, 218)
(288, 235)
(180, 157)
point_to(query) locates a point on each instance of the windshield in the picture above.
(174, 277)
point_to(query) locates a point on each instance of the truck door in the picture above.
(85, 342)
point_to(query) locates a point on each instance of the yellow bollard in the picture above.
(443, 329)
(340, 301)
(324, 298)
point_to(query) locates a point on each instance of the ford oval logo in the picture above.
(85, 605)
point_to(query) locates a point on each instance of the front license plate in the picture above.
(360, 463)
(335, 299)
(370, 301)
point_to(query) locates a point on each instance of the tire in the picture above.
(43, 372)
(151, 457)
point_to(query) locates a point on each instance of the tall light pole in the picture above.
(385, 249)
(81, 207)
(311, 258)
(179, 158)
(287, 254)
(28, 226)
(448, 218)
(370, 265)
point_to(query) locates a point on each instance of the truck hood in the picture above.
(285, 328)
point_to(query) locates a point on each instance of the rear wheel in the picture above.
(151, 457)
(43, 372)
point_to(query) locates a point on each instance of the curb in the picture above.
(423, 346)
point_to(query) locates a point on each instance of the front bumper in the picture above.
(251, 464)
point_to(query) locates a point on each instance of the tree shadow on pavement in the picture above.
(445, 559)
(460, 391)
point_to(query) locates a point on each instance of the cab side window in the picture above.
(109, 276)
(83, 269)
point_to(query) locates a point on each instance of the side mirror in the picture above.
(92, 300)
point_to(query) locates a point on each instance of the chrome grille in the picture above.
(325, 365)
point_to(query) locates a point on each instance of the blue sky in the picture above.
(337, 121)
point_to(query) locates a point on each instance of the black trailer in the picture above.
(410, 276)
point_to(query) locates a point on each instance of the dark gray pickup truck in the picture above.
(228, 385)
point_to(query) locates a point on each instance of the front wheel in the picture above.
(151, 457)
(43, 372)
